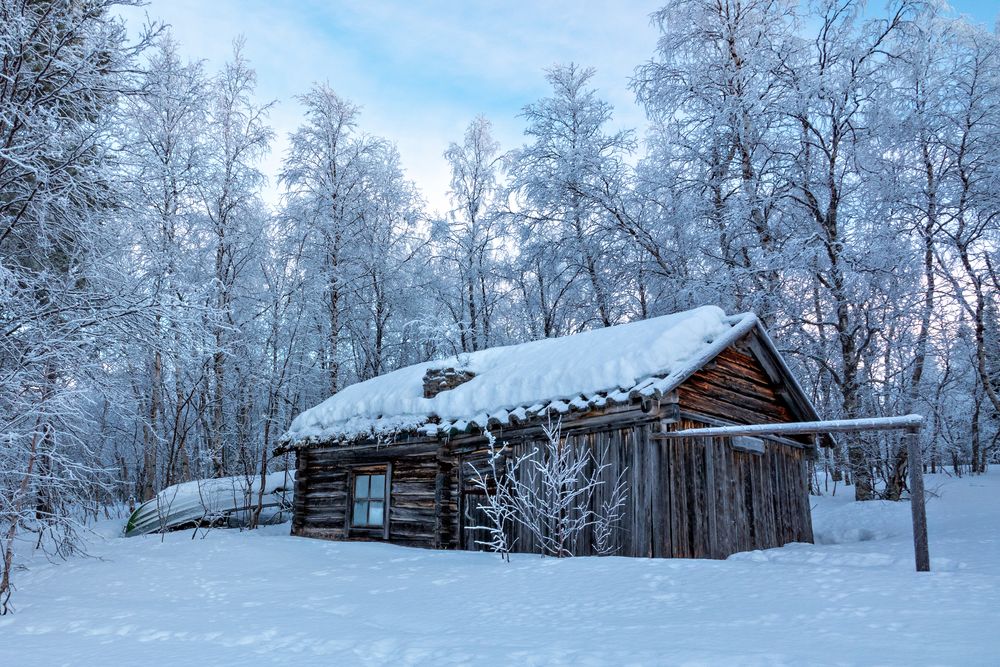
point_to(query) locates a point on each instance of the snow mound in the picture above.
(644, 358)
(836, 522)
(227, 500)
(808, 555)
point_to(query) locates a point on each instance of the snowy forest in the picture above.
(833, 168)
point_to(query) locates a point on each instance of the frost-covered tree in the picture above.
(971, 214)
(237, 138)
(383, 295)
(468, 241)
(719, 105)
(362, 258)
(548, 493)
(324, 172)
(835, 92)
(557, 181)
(164, 162)
(64, 294)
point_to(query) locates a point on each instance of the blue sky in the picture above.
(422, 70)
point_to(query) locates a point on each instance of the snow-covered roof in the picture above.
(595, 368)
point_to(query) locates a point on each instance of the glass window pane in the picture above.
(377, 486)
(375, 514)
(361, 486)
(360, 516)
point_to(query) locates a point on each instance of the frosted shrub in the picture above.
(549, 492)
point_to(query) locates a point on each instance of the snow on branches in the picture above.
(548, 495)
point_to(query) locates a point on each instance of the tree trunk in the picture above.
(151, 440)
(8, 546)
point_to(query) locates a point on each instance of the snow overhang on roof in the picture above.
(644, 359)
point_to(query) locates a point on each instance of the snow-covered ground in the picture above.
(266, 598)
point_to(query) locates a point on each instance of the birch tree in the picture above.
(238, 136)
(719, 104)
(557, 179)
(323, 172)
(468, 240)
(164, 162)
(835, 88)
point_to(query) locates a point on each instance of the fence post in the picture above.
(917, 507)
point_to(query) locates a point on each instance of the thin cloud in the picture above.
(421, 71)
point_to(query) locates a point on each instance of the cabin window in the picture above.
(369, 501)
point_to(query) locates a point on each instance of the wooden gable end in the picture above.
(734, 388)
(744, 384)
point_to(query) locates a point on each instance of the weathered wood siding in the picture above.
(629, 450)
(691, 498)
(725, 500)
(760, 500)
(687, 498)
(412, 517)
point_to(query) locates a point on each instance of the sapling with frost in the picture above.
(608, 518)
(550, 492)
(497, 505)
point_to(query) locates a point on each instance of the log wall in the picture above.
(323, 492)
(735, 388)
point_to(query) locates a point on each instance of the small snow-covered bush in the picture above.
(497, 505)
(549, 492)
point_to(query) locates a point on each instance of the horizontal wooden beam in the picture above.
(714, 421)
(906, 422)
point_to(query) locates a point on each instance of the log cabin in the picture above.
(391, 458)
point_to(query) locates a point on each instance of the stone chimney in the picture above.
(437, 380)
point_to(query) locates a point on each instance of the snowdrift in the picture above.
(227, 501)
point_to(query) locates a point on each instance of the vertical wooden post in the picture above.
(708, 447)
(916, 463)
(387, 504)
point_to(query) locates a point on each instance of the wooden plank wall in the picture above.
(760, 500)
(627, 449)
(688, 498)
(729, 500)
